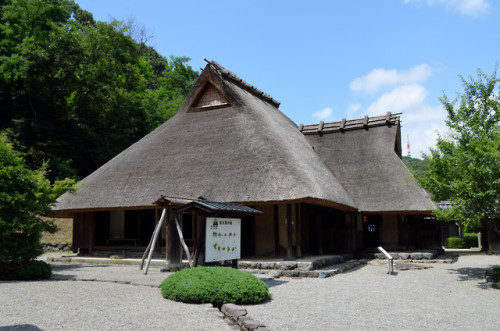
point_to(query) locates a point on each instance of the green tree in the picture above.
(416, 166)
(464, 168)
(75, 92)
(25, 195)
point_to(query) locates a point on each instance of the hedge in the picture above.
(216, 285)
(461, 242)
(32, 270)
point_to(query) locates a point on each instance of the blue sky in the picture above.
(326, 60)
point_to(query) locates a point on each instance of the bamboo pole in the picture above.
(155, 237)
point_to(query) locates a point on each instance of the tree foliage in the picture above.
(465, 165)
(417, 166)
(24, 195)
(77, 92)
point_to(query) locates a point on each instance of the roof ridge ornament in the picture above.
(243, 84)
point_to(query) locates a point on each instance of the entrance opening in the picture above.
(371, 230)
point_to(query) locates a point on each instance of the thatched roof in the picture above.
(365, 156)
(228, 142)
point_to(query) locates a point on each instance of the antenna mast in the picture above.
(408, 144)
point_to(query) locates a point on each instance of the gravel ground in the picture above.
(98, 305)
(443, 297)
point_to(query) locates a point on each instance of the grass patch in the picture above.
(63, 235)
(496, 274)
(216, 285)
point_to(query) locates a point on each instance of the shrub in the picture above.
(458, 242)
(496, 274)
(31, 270)
(216, 285)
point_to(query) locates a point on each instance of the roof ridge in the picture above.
(353, 124)
(243, 84)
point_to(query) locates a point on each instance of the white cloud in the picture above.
(353, 108)
(465, 7)
(420, 120)
(400, 99)
(378, 78)
(323, 114)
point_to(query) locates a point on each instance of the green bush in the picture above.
(216, 285)
(467, 241)
(496, 274)
(31, 270)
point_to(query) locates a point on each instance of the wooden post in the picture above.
(276, 231)
(298, 230)
(199, 246)
(289, 248)
(173, 251)
(319, 232)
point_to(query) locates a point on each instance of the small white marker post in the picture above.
(389, 257)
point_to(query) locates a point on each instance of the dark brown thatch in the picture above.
(228, 143)
(365, 156)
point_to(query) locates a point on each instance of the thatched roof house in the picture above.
(322, 188)
(228, 142)
(365, 156)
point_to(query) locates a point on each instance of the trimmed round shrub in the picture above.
(32, 270)
(458, 242)
(216, 285)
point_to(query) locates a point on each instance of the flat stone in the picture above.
(275, 274)
(212, 310)
(325, 274)
(253, 324)
(427, 256)
(233, 310)
(286, 265)
(268, 265)
(416, 256)
(254, 265)
(290, 273)
(304, 265)
(404, 256)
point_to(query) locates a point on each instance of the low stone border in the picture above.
(491, 281)
(236, 317)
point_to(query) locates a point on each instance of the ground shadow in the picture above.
(274, 282)
(473, 274)
(19, 327)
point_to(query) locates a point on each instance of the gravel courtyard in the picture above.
(444, 297)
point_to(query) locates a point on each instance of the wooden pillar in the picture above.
(319, 233)
(199, 243)
(173, 244)
(298, 231)
(276, 231)
(289, 233)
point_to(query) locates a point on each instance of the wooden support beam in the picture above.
(173, 244)
(276, 231)
(199, 245)
(289, 231)
(298, 230)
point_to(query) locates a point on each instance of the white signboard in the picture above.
(223, 239)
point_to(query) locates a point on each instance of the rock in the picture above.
(304, 265)
(427, 256)
(416, 256)
(242, 265)
(290, 273)
(268, 265)
(254, 265)
(309, 273)
(275, 274)
(404, 256)
(286, 265)
(325, 274)
(233, 310)
(253, 324)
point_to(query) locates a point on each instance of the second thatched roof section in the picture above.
(365, 156)
(228, 143)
